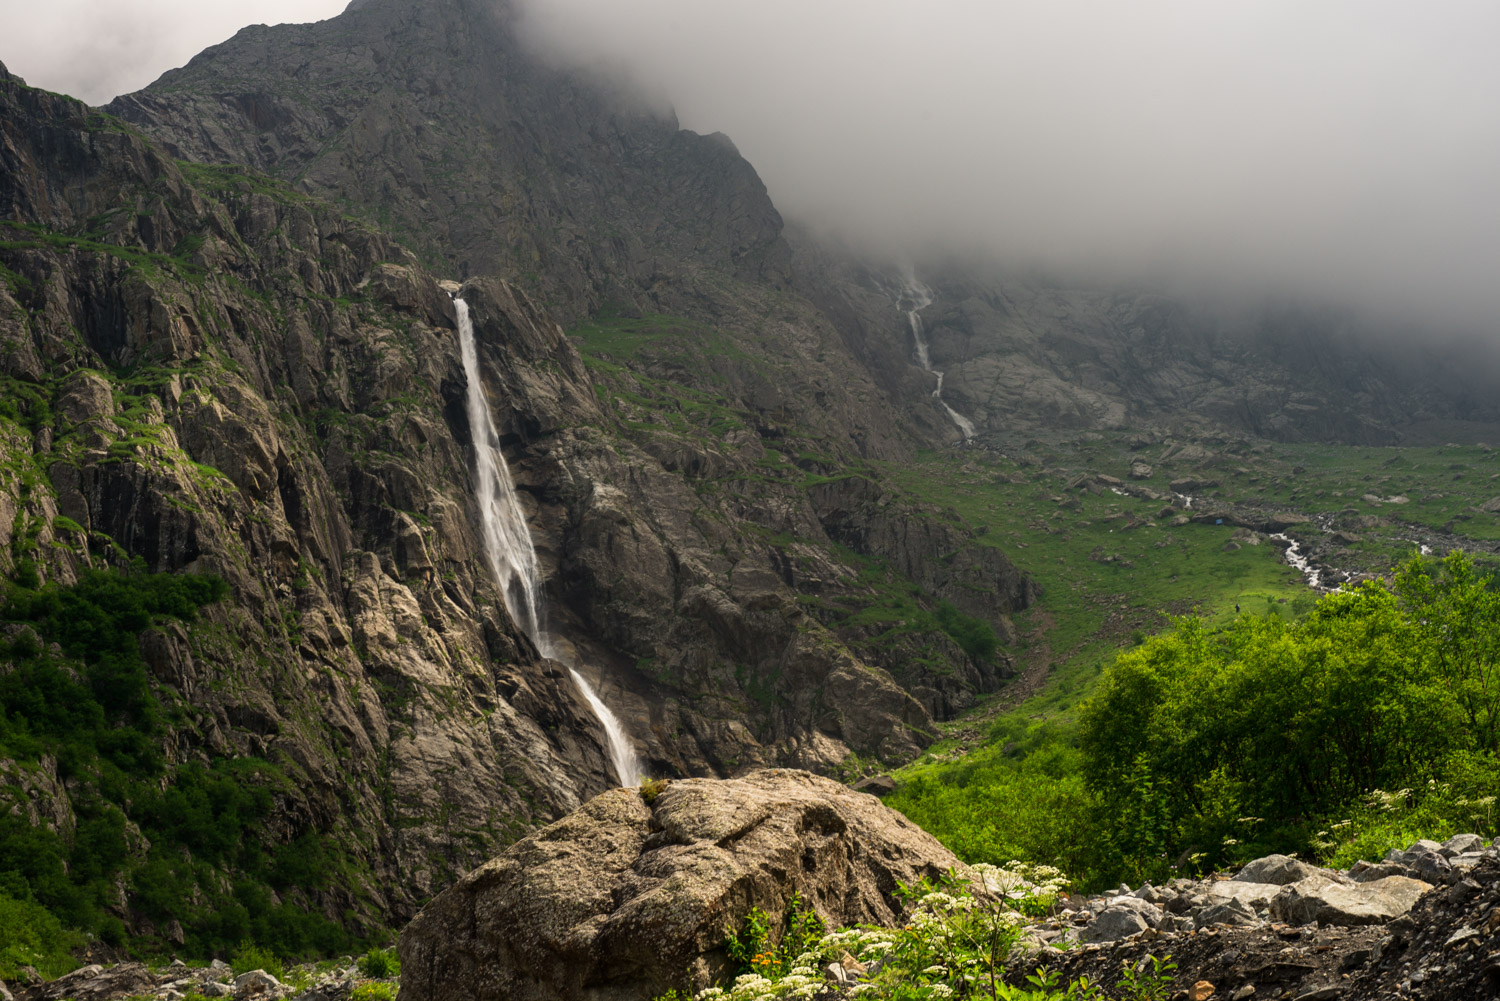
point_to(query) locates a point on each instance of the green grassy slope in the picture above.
(1114, 568)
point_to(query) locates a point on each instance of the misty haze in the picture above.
(1346, 152)
(555, 500)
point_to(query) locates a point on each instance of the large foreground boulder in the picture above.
(625, 899)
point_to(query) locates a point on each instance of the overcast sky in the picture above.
(99, 49)
(1347, 148)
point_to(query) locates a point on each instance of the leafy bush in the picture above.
(975, 636)
(380, 963)
(74, 686)
(31, 936)
(761, 948)
(1021, 797)
(1463, 803)
(374, 992)
(1223, 745)
(253, 957)
(1202, 748)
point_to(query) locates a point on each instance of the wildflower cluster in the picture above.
(956, 936)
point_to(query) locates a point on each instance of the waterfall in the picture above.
(510, 554)
(919, 296)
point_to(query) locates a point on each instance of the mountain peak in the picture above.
(438, 120)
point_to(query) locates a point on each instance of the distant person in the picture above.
(1236, 608)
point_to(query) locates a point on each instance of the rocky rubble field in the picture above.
(180, 982)
(1422, 923)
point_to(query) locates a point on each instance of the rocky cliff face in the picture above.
(226, 378)
(434, 118)
(213, 373)
(1019, 356)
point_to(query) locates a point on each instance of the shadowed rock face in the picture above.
(433, 118)
(624, 900)
(1021, 356)
(476, 152)
(237, 379)
(246, 383)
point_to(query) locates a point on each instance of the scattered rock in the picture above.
(1231, 912)
(1460, 844)
(1372, 934)
(876, 785)
(1319, 898)
(1281, 870)
(96, 983)
(255, 983)
(1253, 895)
(1123, 917)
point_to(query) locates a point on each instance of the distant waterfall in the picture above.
(919, 297)
(509, 551)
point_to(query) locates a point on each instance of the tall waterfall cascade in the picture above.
(914, 298)
(511, 555)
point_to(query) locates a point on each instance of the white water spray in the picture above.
(1299, 562)
(509, 551)
(919, 297)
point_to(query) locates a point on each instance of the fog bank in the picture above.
(1346, 150)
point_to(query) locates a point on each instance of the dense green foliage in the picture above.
(31, 936)
(1368, 723)
(77, 701)
(1237, 741)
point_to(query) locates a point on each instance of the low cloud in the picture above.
(1343, 150)
(1346, 149)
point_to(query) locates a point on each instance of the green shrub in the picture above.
(253, 957)
(31, 936)
(374, 992)
(73, 685)
(1223, 745)
(975, 636)
(1462, 803)
(380, 964)
(954, 941)
(764, 947)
